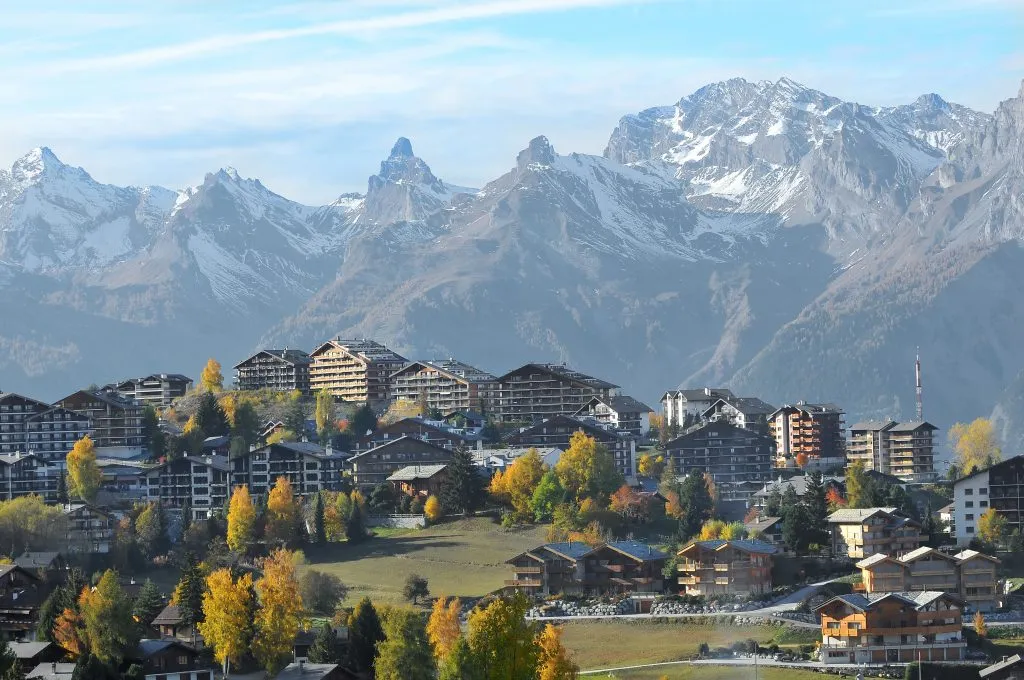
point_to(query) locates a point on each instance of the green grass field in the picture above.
(465, 557)
(609, 644)
(711, 673)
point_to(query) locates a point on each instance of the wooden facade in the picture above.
(721, 567)
(860, 533)
(354, 370)
(373, 467)
(534, 392)
(892, 628)
(574, 568)
(445, 385)
(971, 575)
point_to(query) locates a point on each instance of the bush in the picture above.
(321, 592)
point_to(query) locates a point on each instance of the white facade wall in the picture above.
(970, 501)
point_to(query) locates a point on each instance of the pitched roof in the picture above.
(598, 433)
(392, 442)
(6, 569)
(748, 406)
(871, 561)
(148, 648)
(366, 350)
(638, 550)
(912, 426)
(562, 371)
(571, 549)
(991, 467)
(701, 394)
(916, 599)
(619, 404)
(29, 650)
(453, 369)
(924, 551)
(1006, 664)
(413, 472)
(798, 482)
(303, 670)
(36, 560)
(51, 671)
(872, 425)
(170, 615)
(762, 524)
(751, 545)
(855, 515)
(972, 554)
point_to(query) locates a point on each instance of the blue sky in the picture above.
(310, 96)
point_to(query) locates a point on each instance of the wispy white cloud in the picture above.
(453, 13)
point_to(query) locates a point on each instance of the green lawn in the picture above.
(711, 673)
(610, 644)
(465, 557)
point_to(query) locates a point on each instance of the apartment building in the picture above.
(198, 483)
(89, 529)
(748, 413)
(373, 467)
(301, 462)
(116, 421)
(28, 425)
(730, 454)
(1000, 486)
(25, 475)
(725, 567)
(892, 628)
(621, 413)
(813, 430)
(557, 432)
(434, 432)
(445, 385)
(575, 568)
(159, 389)
(280, 370)
(683, 408)
(534, 392)
(905, 450)
(969, 574)
(354, 370)
(862, 532)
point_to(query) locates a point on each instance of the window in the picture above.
(983, 491)
(970, 530)
(969, 504)
(182, 659)
(968, 492)
(969, 517)
(982, 504)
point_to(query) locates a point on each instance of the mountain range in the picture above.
(758, 235)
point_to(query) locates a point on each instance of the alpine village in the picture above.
(348, 512)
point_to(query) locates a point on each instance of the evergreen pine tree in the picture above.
(210, 417)
(816, 503)
(62, 488)
(363, 420)
(190, 591)
(355, 527)
(364, 632)
(319, 525)
(325, 647)
(295, 418)
(148, 603)
(462, 489)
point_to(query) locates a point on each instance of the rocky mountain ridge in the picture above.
(758, 234)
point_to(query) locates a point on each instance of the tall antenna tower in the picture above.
(917, 375)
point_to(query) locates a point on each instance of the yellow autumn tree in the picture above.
(282, 512)
(554, 662)
(980, 627)
(975, 445)
(191, 425)
(992, 527)
(84, 476)
(432, 509)
(587, 470)
(649, 465)
(712, 529)
(280, 612)
(226, 610)
(211, 379)
(241, 520)
(69, 631)
(443, 628)
(517, 484)
(401, 409)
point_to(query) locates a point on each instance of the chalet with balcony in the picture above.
(726, 567)
(892, 628)
(729, 454)
(535, 392)
(171, 659)
(749, 413)
(445, 385)
(969, 574)
(116, 421)
(22, 593)
(159, 389)
(862, 532)
(557, 432)
(575, 568)
(373, 467)
(26, 475)
(89, 529)
(301, 462)
(199, 483)
(419, 481)
(279, 370)
(354, 370)
(621, 413)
